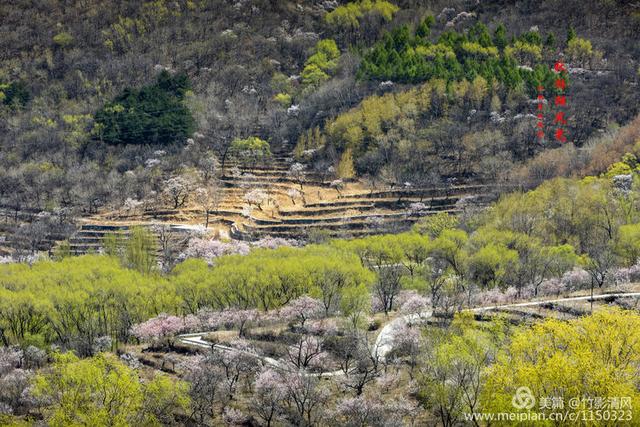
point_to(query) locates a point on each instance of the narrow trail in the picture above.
(384, 341)
(196, 340)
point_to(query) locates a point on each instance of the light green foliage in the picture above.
(490, 265)
(284, 99)
(581, 213)
(450, 247)
(367, 121)
(524, 53)
(269, 278)
(312, 139)
(396, 129)
(321, 64)
(433, 51)
(280, 83)
(252, 144)
(112, 244)
(345, 166)
(628, 245)
(325, 56)
(163, 398)
(590, 357)
(63, 39)
(250, 150)
(121, 35)
(355, 304)
(91, 296)
(478, 91)
(102, 391)
(62, 250)
(140, 248)
(581, 51)
(627, 166)
(313, 75)
(85, 297)
(477, 50)
(434, 225)
(348, 16)
(507, 258)
(375, 251)
(77, 128)
(452, 378)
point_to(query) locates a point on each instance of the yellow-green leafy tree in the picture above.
(346, 169)
(590, 357)
(103, 391)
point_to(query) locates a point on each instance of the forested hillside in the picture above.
(392, 92)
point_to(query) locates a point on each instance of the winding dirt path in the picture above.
(384, 341)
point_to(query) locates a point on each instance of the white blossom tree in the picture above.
(177, 190)
(256, 197)
(297, 173)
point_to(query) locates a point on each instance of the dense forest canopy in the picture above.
(277, 71)
(155, 114)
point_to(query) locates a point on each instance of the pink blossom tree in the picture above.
(10, 359)
(302, 309)
(239, 364)
(15, 390)
(269, 394)
(361, 411)
(306, 398)
(230, 318)
(275, 242)
(551, 286)
(206, 386)
(306, 353)
(406, 343)
(297, 173)
(491, 296)
(234, 417)
(209, 319)
(160, 329)
(15, 382)
(209, 249)
(417, 209)
(240, 319)
(323, 327)
(576, 278)
(415, 304)
(388, 381)
(337, 185)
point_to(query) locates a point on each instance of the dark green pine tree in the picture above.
(500, 37)
(154, 114)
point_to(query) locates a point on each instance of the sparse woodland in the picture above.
(316, 213)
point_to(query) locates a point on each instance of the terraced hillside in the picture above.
(296, 205)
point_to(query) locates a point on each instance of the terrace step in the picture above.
(335, 219)
(312, 211)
